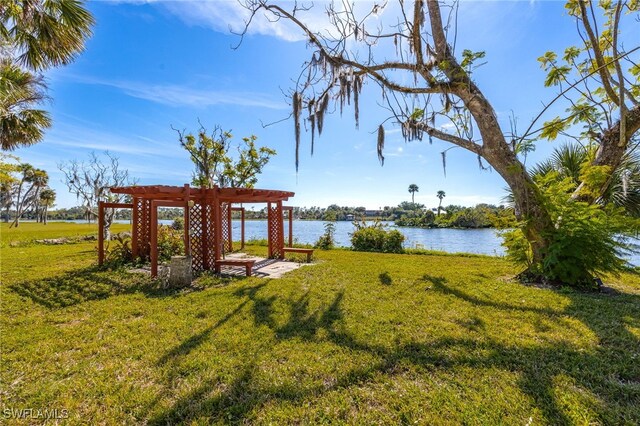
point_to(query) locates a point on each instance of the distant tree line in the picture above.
(454, 216)
(405, 214)
(24, 190)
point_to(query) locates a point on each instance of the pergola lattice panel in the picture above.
(195, 237)
(141, 227)
(209, 222)
(275, 230)
(225, 217)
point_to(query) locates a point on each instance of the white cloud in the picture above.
(80, 137)
(231, 16)
(177, 95)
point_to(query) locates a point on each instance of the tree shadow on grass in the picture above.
(191, 343)
(86, 284)
(609, 372)
(385, 278)
(231, 403)
(80, 285)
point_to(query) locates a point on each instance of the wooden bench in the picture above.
(248, 264)
(306, 251)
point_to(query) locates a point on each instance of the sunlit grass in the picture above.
(29, 231)
(358, 338)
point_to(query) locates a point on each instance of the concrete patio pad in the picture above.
(265, 268)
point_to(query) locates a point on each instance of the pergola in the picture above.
(207, 220)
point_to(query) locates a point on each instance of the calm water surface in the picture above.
(478, 241)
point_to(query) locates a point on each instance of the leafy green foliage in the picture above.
(469, 57)
(327, 240)
(421, 218)
(517, 245)
(118, 250)
(170, 242)
(21, 124)
(178, 223)
(557, 75)
(215, 165)
(34, 35)
(552, 128)
(587, 240)
(480, 216)
(375, 237)
(572, 160)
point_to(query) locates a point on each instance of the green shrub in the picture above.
(178, 224)
(118, 249)
(586, 241)
(327, 240)
(375, 237)
(170, 242)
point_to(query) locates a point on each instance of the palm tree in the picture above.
(440, 196)
(47, 199)
(567, 161)
(41, 34)
(20, 123)
(27, 188)
(413, 188)
(34, 35)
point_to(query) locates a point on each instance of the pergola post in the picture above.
(242, 228)
(289, 210)
(217, 238)
(100, 233)
(269, 230)
(154, 239)
(229, 227)
(134, 227)
(241, 210)
(187, 225)
(281, 230)
(204, 231)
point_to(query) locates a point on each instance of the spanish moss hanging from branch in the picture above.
(312, 121)
(444, 162)
(321, 108)
(381, 144)
(297, 108)
(357, 85)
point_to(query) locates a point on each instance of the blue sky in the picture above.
(151, 65)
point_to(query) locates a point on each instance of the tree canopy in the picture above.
(35, 35)
(214, 162)
(429, 90)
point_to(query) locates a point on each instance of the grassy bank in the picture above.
(355, 338)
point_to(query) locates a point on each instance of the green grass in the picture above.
(357, 338)
(26, 232)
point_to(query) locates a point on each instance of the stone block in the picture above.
(180, 273)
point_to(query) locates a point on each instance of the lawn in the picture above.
(356, 338)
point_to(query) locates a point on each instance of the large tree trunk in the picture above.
(108, 220)
(497, 152)
(613, 146)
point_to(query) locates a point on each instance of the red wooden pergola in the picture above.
(207, 220)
